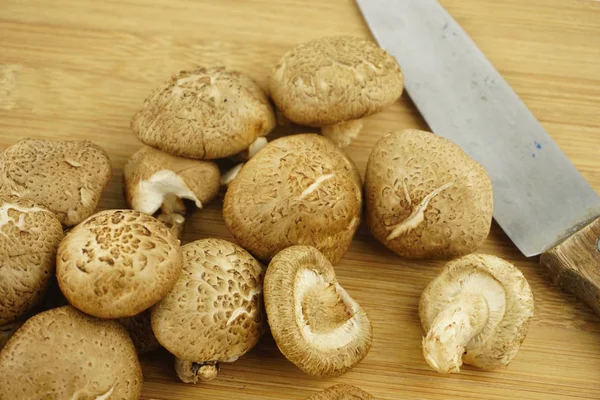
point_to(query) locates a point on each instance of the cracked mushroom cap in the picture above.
(425, 197)
(117, 263)
(205, 113)
(298, 189)
(150, 175)
(476, 311)
(214, 312)
(314, 321)
(65, 354)
(341, 392)
(67, 177)
(335, 79)
(140, 329)
(29, 237)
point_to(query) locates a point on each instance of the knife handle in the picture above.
(574, 264)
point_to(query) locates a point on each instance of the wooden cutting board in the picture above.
(72, 69)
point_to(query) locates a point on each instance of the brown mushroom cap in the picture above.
(118, 263)
(140, 329)
(6, 331)
(65, 354)
(335, 79)
(314, 321)
(206, 113)
(476, 311)
(298, 189)
(29, 237)
(151, 174)
(214, 312)
(341, 392)
(67, 177)
(425, 197)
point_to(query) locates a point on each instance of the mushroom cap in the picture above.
(29, 237)
(67, 177)
(299, 189)
(151, 174)
(214, 312)
(341, 392)
(205, 113)
(140, 329)
(509, 303)
(65, 354)
(314, 321)
(117, 263)
(335, 79)
(6, 331)
(425, 197)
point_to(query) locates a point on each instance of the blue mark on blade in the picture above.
(537, 145)
(445, 26)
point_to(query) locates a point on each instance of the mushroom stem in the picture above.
(343, 133)
(172, 213)
(451, 331)
(194, 372)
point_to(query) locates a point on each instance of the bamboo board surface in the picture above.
(72, 69)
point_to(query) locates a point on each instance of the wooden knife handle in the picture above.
(574, 264)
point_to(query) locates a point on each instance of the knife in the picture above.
(541, 201)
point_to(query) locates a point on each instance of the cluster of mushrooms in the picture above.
(292, 204)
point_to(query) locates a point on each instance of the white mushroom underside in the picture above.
(336, 338)
(230, 175)
(486, 287)
(152, 191)
(256, 146)
(20, 222)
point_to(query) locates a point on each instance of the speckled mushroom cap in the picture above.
(214, 312)
(117, 263)
(476, 311)
(205, 113)
(298, 189)
(341, 392)
(29, 237)
(425, 197)
(314, 321)
(139, 328)
(65, 354)
(151, 174)
(67, 177)
(335, 79)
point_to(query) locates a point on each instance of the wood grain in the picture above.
(574, 264)
(75, 69)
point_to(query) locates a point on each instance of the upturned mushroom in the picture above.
(476, 311)
(29, 237)
(67, 177)
(140, 329)
(425, 197)
(206, 113)
(214, 313)
(299, 189)
(65, 354)
(314, 321)
(118, 263)
(342, 392)
(155, 181)
(333, 82)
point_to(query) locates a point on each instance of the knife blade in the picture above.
(541, 201)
